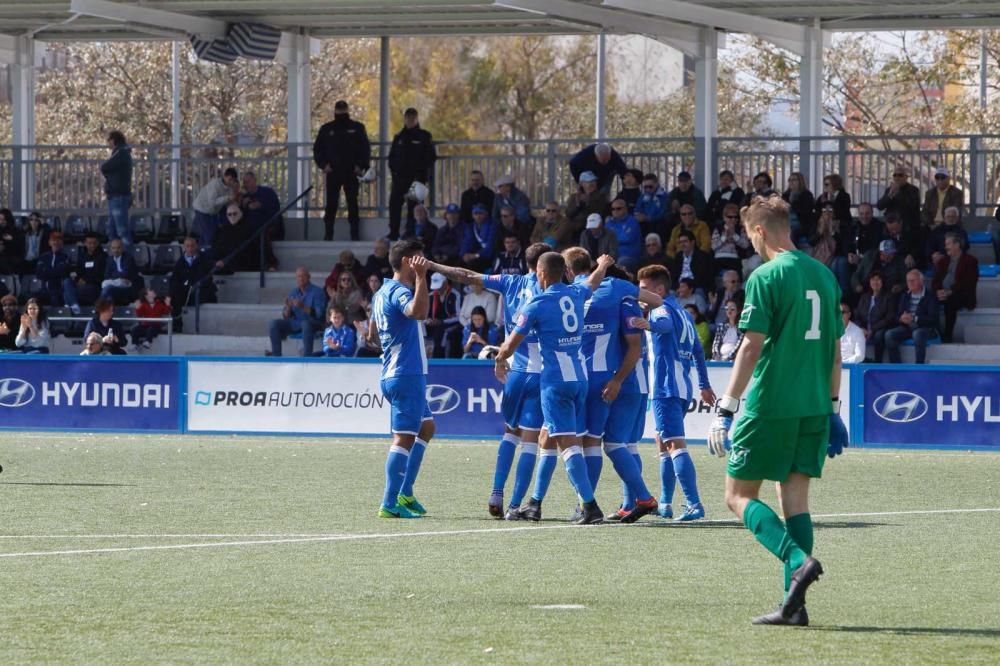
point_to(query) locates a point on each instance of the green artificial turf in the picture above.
(327, 582)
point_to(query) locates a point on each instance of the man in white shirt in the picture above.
(852, 343)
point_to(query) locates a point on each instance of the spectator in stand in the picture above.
(762, 185)
(117, 171)
(33, 335)
(907, 245)
(631, 189)
(211, 199)
(826, 244)
(868, 230)
(653, 254)
(88, 273)
(853, 346)
(956, 275)
(442, 315)
(508, 195)
(701, 328)
(260, 203)
(346, 262)
(887, 262)
(411, 159)
(601, 160)
(12, 240)
(94, 346)
(303, 313)
(378, 260)
(727, 193)
(696, 227)
(903, 199)
(366, 348)
(347, 295)
(729, 242)
(554, 229)
(596, 240)
(188, 273)
(423, 229)
(477, 193)
(511, 260)
(508, 227)
(626, 230)
(478, 297)
(940, 197)
(339, 339)
(53, 270)
(150, 306)
(690, 262)
(587, 201)
(731, 290)
(952, 226)
(122, 281)
(104, 324)
(651, 209)
(876, 313)
(478, 244)
(917, 316)
(686, 295)
(10, 323)
(229, 244)
(728, 335)
(686, 193)
(342, 152)
(801, 203)
(478, 333)
(835, 196)
(447, 244)
(36, 240)
(372, 284)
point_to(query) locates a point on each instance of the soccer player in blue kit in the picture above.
(398, 310)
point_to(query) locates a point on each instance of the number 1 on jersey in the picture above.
(813, 297)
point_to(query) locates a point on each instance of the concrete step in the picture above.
(318, 256)
(240, 319)
(959, 354)
(245, 287)
(981, 335)
(988, 293)
(983, 253)
(370, 228)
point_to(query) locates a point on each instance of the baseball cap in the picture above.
(437, 281)
(505, 180)
(452, 208)
(887, 246)
(479, 208)
(594, 220)
(941, 171)
(410, 111)
(684, 175)
(588, 177)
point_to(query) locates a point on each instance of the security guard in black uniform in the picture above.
(411, 158)
(343, 153)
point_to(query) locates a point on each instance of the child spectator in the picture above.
(478, 333)
(144, 332)
(339, 338)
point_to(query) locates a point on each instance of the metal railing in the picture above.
(169, 321)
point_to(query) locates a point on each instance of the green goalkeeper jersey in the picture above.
(794, 301)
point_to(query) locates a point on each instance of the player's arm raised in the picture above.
(594, 281)
(746, 359)
(463, 275)
(419, 306)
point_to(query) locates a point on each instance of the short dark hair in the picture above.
(766, 176)
(475, 172)
(552, 264)
(688, 282)
(684, 233)
(534, 251)
(90, 234)
(727, 172)
(336, 308)
(620, 272)
(410, 111)
(403, 249)
(103, 305)
(651, 176)
(116, 137)
(656, 273)
(231, 171)
(190, 237)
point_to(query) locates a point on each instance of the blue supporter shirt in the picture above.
(314, 300)
(629, 236)
(516, 291)
(556, 317)
(345, 336)
(676, 348)
(402, 338)
(602, 342)
(638, 381)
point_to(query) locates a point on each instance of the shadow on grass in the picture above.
(912, 631)
(68, 483)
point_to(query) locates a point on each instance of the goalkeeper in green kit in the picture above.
(790, 419)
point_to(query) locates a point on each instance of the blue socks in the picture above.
(595, 463)
(576, 470)
(522, 475)
(395, 470)
(667, 478)
(684, 469)
(624, 464)
(505, 459)
(413, 466)
(543, 474)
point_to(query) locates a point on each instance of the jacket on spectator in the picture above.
(510, 264)
(8, 340)
(719, 198)
(720, 336)
(345, 337)
(868, 235)
(906, 244)
(558, 235)
(935, 238)
(906, 204)
(966, 279)
(485, 299)
(479, 239)
(517, 200)
(701, 268)
(269, 205)
(629, 236)
(128, 270)
(95, 325)
(694, 196)
(356, 271)
(228, 238)
(877, 316)
(36, 241)
(490, 333)
(211, 198)
(445, 306)
(586, 160)
(702, 237)
(412, 154)
(342, 144)
(91, 268)
(155, 310)
(448, 241)
(52, 269)
(717, 311)
(802, 210)
(12, 240)
(927, 309)
(579, 206)
(893, 272)
(186, 275)
(653, 206)
(377, 266)
(117, 171)
(629, 195)
(470, 197)
(606, 244)
(425, 233)
(933, 203)
(841, 202)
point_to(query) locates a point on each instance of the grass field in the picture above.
(121, 549)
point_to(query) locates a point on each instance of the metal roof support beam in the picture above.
(600, 105)
(384, 118)
(811, 102)
(22, 75)
(299, 114)
(706, 108)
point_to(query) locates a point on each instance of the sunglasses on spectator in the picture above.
(898, 174)
(551, 210)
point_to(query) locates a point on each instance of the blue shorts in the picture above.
(521, 405)
(563, 405)
(408, 397)
(668, 413)
(640, 418)
(597, 409)
(621, 420)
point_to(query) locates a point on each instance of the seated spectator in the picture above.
(917, 316)
(952, 225)
(232, 255)
(378, 261)
(477, 193)
(728, 335)
(626, 230)
(88, 273)
(601, 160)
(111, 332)
(122, 281)
(651, 209)
(835, 196)
(902, 199)
(346, 296)
(13, 255)
(554, 229)
(653, 254)
(686, 295)
(260, 203)
(93, 345)
(942, 196)
(423, 229)
(727, 193)
(596, 240)
(339, 338)
(186, 281)
(761, 185)
(478, 244)
(372, 284)
(367, 347)
(478, 297)
(907, 244)
(956, 276)
(508, 227)
(10, 324)
(36, 240)
(690, 262)
(887, 262)
(150, 306)
(587, 201)
(801, 204)
(303, 313)
(824, 246)
(701, 328)
(33, 336)
(853, 345)
(876, 313)
(447, 244)
(511, 260)
(631, 189)
(702, 234)
(869, 230)
(442, 315)
(729, 242)
(507, 194)
(209, 202)
(346, 261)
(478, 333)
(686, 193)
(53, 270)
(732, 290)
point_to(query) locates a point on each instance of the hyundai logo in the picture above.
(900, 406)
(442, 399)
(15, 392)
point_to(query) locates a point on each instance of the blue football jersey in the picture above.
(516, 291)
(638, 381)
(676, 348)
(602, 343)
(402, 338)
(556, 317)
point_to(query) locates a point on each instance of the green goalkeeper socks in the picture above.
(765, 524)
(800, 528)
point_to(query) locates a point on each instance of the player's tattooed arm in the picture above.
(420, 305)
(463, 275)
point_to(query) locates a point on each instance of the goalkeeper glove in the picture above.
(718, 437)
(839, 439)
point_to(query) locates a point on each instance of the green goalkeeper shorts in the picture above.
(774, 448)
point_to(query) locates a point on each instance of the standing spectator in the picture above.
(339, 339)
(511, 260)
(104, 324)
(852, 343)
(36, 240)
(694, 226)
(33, 336)
(477, 193)
(586, 201)
(943, 195)
(478, 244)
(903, 199)
(690, 262)
(887, 262)
(603, 161)
(9, 323)
(868, 230)
(303, 313)
(728, 335)
(631, 189)
(653, 253)
(509, 196)
(411, 158)
(346, 295)
(686, 295)
(596, 240)
(150, 306)
(686, 193)
(117, 171)
(12, 248)
(94, 346)
(260, 203)
(211, 199)
(626, 230)
(478, 333)
(801, 204)
(876, 313)
(233, 251)
(342, 152)
(651, 210)
(448, 240)
(956, 275)
(731, 290)
(835, 196)
(917, 316)
(88, 273)
(762, 185)
(442, 315)
(729, 243)
(423, 229)
(727, 193)
(825, 244)
(53, 270)
(554, 229)
(122, 281)
(701, 328)
(189, 272)
(378, 261)
(952, 226)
